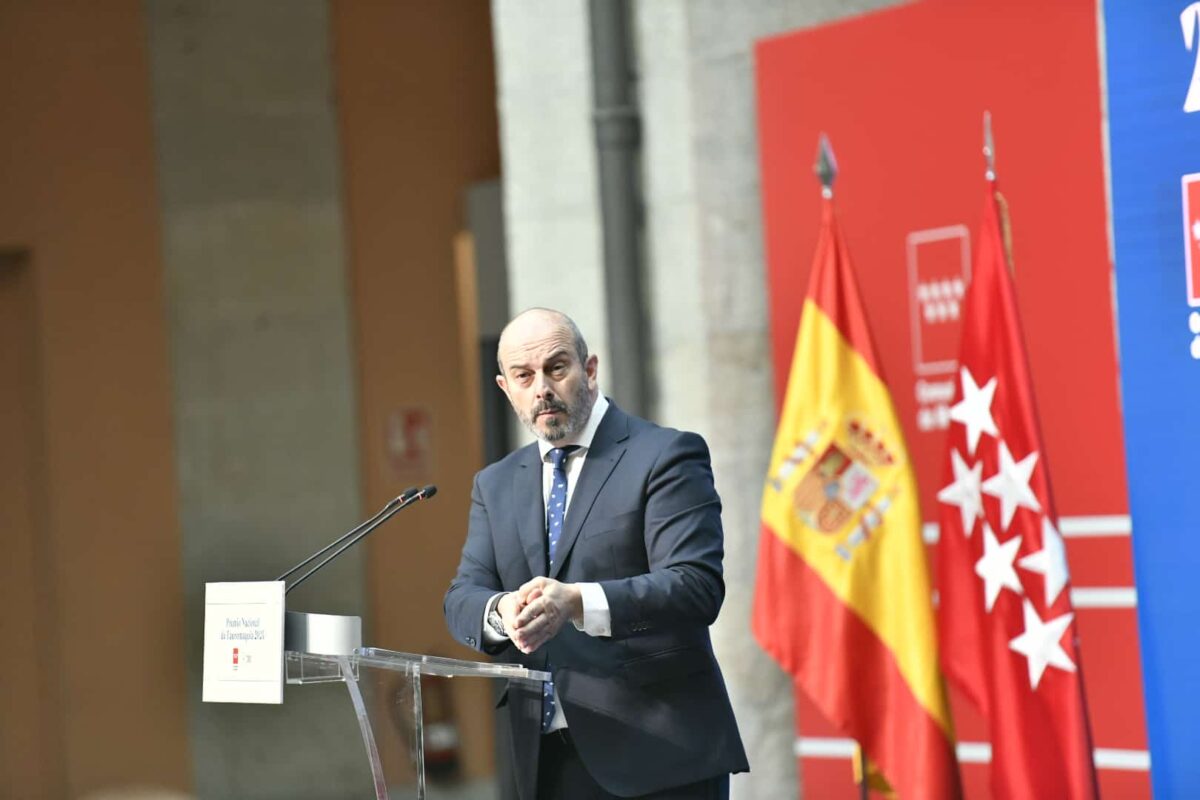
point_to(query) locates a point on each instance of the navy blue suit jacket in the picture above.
(647, 707)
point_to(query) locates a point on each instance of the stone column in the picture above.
(548, 152)
(709, 312)
(706, 278)
(261, 354)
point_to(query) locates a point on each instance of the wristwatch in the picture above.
(495, 621)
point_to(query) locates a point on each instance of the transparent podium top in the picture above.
(385, 688)
(318, 668)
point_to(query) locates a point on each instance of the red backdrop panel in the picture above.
(901, 94)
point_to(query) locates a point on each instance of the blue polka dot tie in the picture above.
(556, 512)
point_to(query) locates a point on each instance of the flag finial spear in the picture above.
(826, 166)
(989, 157)
(989, 147)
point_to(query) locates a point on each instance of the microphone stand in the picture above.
(358, 533)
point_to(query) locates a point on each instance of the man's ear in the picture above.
(590, 368)
(503, 384)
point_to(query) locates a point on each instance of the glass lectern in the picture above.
(385, 682)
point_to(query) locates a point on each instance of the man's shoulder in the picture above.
(503, 468)
(644, 433)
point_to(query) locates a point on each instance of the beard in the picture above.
(578, 409)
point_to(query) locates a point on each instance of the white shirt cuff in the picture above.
(597, 618)
(489, 633)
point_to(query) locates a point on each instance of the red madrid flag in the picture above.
(1005, 621)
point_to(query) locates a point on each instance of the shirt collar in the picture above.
(584, 440)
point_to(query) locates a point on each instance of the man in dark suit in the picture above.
(595, 553)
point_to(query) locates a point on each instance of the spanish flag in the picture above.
(842, 599)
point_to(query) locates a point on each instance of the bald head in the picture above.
(547, 373)
(534, 323)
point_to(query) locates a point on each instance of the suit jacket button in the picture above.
(471, 641)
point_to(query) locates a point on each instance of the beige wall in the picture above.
(100, 540)
(416, 92)
(92, 593)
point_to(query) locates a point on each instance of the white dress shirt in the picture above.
(597, 618)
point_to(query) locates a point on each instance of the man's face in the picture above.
(550, 390)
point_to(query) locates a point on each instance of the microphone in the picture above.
(391, 504)
(359, 532)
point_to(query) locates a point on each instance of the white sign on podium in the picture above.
(243, 642)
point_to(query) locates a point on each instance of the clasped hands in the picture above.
(535, 612)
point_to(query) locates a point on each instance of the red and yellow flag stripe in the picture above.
(843, 594)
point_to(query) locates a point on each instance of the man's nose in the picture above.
(541, 386)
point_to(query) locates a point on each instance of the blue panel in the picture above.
(1154, 143)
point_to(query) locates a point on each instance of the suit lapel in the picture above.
(530, 510)
(608, 446)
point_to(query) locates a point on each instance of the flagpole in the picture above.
(989, 159)
(826, 171)
(864, 787)
(989, 148)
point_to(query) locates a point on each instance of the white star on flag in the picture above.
(1196, 230)
(1011, 485)
(964, 492)
(975, 409)
(1040, 644)
(1050, 562)
(996, 566)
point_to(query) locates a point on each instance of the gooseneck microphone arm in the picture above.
(357, 534)
(393, 503)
